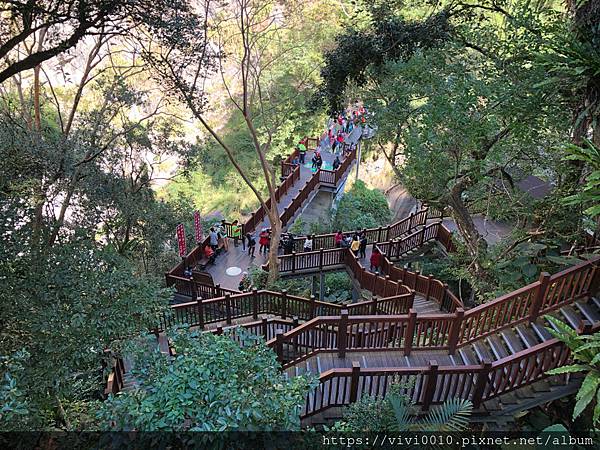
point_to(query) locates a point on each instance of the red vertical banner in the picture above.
(197, 227)
(181, 240)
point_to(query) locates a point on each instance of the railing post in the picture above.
(342, 333)
(193, 291)
(321, 258)
(409, 331)
(295, 343)
(379, 234)
(374, 305)
(283, 303)
(254, 304)
(265, 328)
(200, 307)
(540, 296)
(218, 291)
(585, 327)
(481, 382)
(404, 271)
(354, 381)
(431, 385)
(386, 285)
(293, 261)
(595, 284)
(313, 307)
(279, 345)
(422, 237)
(410, 221)
(455, 330)
(445, 296)
(428, 290)
(387, 233)
(228, 307)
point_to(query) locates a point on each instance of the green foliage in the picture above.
(387, 38)
(589, 195)
(360, 208)
(586, 355)
(14, 412)
(212, 384)
(397, 413)
(338, 287)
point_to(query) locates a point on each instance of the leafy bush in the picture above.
(212, 384)
(360, 208)
(338, 287)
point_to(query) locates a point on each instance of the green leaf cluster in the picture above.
(211, 384)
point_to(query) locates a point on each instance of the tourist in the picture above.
(236, 233)
(375, 259)
(355, 244)
(301, 151)
(362, 250)
(213, 239)
(336, 162)
(295, 161)
(308, 244)
(188, 272)
(319, 161)
(338, 238)
(264, 240)
(251, 244)
(222, 233)
(346, 242)
(245, 284)
(340, 140)
(209, 254)
(288, 244)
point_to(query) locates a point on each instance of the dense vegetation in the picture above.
(119, 118)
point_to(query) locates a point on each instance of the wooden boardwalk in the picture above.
(237, 256)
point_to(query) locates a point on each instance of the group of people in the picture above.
(218, 242)
(357, 243)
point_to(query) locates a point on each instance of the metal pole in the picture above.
(358, 156)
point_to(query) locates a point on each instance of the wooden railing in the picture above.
(374, 235)
(251, 304)
(428, 286)
(116, 377)
(346, 333)
(433, 385)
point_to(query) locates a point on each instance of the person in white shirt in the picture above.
(308, 244)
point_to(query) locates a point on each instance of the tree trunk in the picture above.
(273, 260)
(475, 243)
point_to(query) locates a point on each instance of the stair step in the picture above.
(482, 352)
(551, 324)
(571, 315)
(512, 341)
(540, 329)
(526, 334)
(588, 311)
(468, 357)
(498, 349)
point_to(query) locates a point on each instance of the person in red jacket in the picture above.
(264, 240)
(375, 259)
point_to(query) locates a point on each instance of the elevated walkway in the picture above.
(413, 330)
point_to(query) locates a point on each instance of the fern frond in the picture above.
(401, 411)
(569, 369)
(453, 415)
